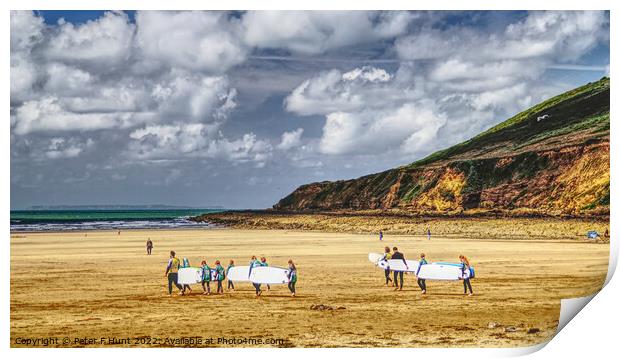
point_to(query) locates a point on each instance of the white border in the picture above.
(592, 329)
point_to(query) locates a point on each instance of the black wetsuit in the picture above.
(398, 256)
(466, 282)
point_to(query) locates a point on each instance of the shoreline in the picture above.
(451, 237)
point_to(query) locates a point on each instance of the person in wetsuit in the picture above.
(386, 256)
(397, 255)
(465, 267)
(421, 281)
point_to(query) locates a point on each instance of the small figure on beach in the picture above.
(421, 281)
(219, 276)
(206, 277)
(397, 255)
(292, 277)
(231, 285)
(149, 246)
(380, 235)
(386, 256)
(428, 233)
(466, 279)
(172, 272)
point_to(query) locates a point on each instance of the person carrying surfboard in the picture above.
(421, 281)
(397, 255)
(220, 276)
(465, 270)
(263, 262)
(231, 264)
(183, 265)
(206, 277)
(172, 272)
(386, 256)
(292, 276)
(254, 263)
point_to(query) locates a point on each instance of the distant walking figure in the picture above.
(172, 272)
(380, 235)
(397, 255)
(149, 246)
(428, 232)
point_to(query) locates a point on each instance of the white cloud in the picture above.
(50, 115)
(104, 43)
(194, 40)
(291, 139)
(313, 32)
(163, 89)
(23, 77)
(26, 33)
(66, 80)
(471, 78)
(332, 91)
(183, 141)
(26, 30)
(410, 127)
(63, 148)
(242, 150)
(194, 98)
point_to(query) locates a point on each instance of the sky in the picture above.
(237, 109)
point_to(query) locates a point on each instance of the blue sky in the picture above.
(238, 109)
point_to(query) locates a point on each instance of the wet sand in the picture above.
(103, 285)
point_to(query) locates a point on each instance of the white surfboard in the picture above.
(374, 257)
(399, 265)
(269, 274)
(189, 275)
(213, 274)
(442, 272)
(239, 274)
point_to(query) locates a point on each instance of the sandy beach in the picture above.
(103, 285)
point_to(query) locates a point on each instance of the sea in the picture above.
(78, 220)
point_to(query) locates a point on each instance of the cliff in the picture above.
(551, 159)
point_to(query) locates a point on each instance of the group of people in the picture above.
(220, 274)
(292, 274)
(397, 255)
(427, 232)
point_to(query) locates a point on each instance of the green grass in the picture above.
(567, 107)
